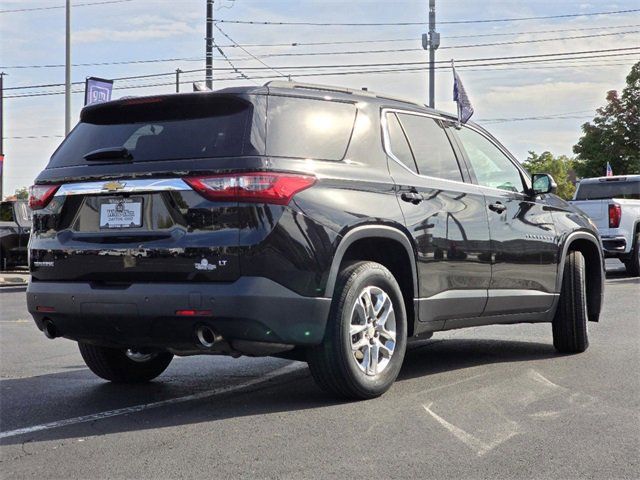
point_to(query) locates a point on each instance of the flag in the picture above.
(465, 110)
(97, 90)
(609, 170)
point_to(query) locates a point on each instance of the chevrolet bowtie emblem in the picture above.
(113, 186)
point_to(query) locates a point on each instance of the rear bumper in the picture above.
(614, 246)
(144, 314)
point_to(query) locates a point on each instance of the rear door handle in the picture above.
(412, 197)
(497, 207)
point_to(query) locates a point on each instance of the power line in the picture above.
(399, 50)
(225, 57)
(503, 34)
(33, 9)
(415, 69)
(538, 40)
(492, 61)
(449, 22)
(289, 67)
(246, 51)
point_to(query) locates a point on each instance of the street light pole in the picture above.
(209, 46)
(67, 71)
(2, 74)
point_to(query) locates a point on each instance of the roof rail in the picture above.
(328, 88)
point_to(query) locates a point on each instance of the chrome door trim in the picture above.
(128, 186)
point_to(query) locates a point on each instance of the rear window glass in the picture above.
(161, 130)
(303, 128)
(610, 189)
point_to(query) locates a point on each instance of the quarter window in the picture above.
(492, 167)
(398, 143)
(305, 128)
(431, 148)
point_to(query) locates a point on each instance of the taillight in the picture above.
(41, 195)
(615, 213)
(256, 187)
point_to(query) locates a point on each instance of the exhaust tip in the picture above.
(50, 330)
(207, 337)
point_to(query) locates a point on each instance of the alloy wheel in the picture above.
(373, 330)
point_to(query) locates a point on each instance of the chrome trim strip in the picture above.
(129, 185)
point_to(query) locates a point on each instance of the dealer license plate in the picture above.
(121, 213)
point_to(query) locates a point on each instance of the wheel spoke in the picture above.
(361, 310)
(374, 352)
(366, 359)
(356, 329)
(384, 315)
(359, 344)
(389, 335)
(386, 351)
(368, 303)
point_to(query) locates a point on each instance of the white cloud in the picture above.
(141, 31)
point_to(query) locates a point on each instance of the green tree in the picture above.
(22, 193)
(614, 134)
(557, 167)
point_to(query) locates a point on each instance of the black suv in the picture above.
(301, 221)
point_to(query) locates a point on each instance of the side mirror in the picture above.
(543, 183)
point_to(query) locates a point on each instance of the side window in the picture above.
(398, 143)
(492, 167)
(431, 147)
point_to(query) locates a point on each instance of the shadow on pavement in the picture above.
(82, 394)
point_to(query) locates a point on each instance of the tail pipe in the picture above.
(207, 337)
(50, 330)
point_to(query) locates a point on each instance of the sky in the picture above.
(509, 100)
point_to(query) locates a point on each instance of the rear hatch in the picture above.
(124, 212)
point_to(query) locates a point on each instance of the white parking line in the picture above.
(148, 406)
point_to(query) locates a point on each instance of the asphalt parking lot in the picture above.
(490, 402)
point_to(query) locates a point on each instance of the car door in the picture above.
(523, 237)
(444, 214)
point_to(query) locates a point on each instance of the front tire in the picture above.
(124, 366)
(632, 264)
(570, 321)
(365, 341)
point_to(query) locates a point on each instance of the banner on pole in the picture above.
(465, 109)
(97, 90)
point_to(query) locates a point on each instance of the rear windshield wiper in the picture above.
(110, 153)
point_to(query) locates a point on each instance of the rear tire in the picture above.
(366, 336)
(570, 321)
(116, 366)
(632, 264)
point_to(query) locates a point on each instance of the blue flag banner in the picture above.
(465, 110)
(97, 90)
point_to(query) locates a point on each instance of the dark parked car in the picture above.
(15, 225)
(294, 220)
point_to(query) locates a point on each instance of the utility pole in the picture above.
(2, 74)
(178, 72)
(67, 72)
(431, 42)
(209, 46)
